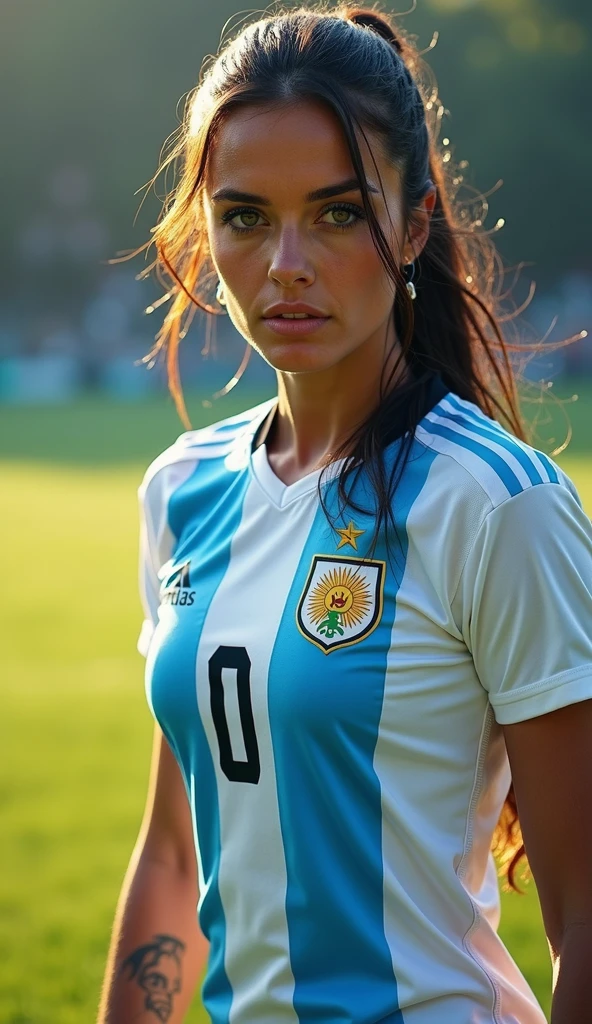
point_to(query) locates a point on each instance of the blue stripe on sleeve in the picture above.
(495, 461)
(549, 466)
(544, 459)
(471, 421)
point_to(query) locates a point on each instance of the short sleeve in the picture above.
(149, 583)
(524, 602)
(156, 539)
(163, 477)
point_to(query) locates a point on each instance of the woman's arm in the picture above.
(551, 761)
(157, 951)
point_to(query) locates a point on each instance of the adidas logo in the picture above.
(177, 588)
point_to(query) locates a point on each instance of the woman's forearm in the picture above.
(157, 952)
(572, 989)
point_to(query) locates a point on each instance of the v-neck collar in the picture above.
(281, 494)
(277, 491)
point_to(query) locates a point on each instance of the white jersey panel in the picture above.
(252, 876)
(441, 797)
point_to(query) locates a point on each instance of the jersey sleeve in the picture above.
(155, 549)
(525, 603)
(147, 571)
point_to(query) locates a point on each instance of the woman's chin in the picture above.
(298, 360)
(297, 355)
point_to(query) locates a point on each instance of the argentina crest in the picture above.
(341, 602)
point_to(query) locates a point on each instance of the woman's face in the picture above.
(293, 248)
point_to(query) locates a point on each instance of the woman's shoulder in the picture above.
(213, 441)
(479, 486)
(478, 460)
(490, 507)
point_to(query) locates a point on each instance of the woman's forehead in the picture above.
(294, 148)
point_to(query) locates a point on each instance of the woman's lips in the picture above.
(303, 325)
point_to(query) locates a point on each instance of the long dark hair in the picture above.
(370, 75)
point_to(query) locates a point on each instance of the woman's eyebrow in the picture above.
(349, 185)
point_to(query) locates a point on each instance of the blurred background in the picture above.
(92, 90)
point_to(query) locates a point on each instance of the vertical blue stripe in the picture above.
(325, 711)
(203, 514)
(493, 460)
(471, 421)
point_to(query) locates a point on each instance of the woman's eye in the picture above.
(231, 214)
(353, 211)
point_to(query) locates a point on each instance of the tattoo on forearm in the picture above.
(156, 968)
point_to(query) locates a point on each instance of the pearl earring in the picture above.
(410, 267)
(220, 293)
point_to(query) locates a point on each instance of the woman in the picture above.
(367, 602)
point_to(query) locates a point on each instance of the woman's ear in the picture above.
(419, 226)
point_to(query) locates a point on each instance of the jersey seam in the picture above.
(542, 685)
(467, 845)
(449, 455)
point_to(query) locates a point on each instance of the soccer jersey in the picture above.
(337, 712)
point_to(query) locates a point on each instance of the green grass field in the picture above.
(75, 728)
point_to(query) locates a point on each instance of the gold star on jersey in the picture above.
(341, 602)
(348, 535)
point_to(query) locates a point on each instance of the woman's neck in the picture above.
(317, 412)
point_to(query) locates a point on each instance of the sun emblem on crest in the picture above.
(340, 596)
(341, 602)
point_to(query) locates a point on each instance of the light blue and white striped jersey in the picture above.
(337, 717)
